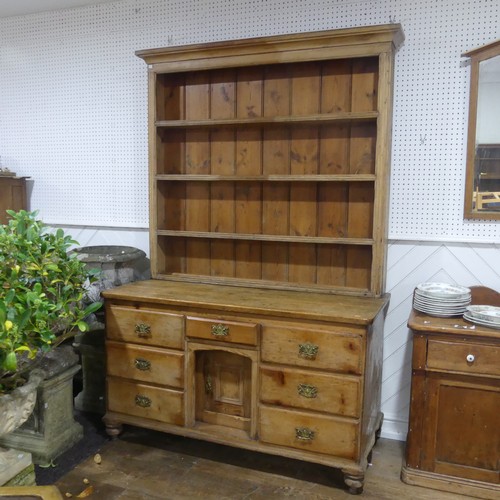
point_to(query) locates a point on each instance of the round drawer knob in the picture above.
(470, 358)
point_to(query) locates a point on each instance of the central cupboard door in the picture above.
(223, 389)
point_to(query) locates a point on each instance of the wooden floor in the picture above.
(147, 465)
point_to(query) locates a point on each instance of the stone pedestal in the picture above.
(90, 345)
(116, 265)
(51, 429)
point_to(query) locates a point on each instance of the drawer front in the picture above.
(464, 357)
(146, 364)
(141, 400)
(309, 432)
(221, 330)
(143, 326)
(309, 390)
(313, 348)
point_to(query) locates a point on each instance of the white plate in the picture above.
(444, 290)
(489, 324)
(437, 312)
(486, 313)
(443, 305)
(439, 300)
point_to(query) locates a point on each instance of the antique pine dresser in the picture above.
(262, 325)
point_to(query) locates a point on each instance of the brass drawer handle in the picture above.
(142, 364)
(143, 330)
(308, 350)
(142, 401)
(304, 434)
(307, 391)
(220, 330)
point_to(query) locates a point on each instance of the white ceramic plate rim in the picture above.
(488, 313)
(481, 322)
(435, 289)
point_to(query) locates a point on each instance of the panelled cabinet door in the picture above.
(465, 417)
(223, 389)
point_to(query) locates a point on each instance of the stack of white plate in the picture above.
(484, 315)
(441, 299)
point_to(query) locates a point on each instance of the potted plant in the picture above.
(42, 288)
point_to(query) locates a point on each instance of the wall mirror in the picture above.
(482, 184)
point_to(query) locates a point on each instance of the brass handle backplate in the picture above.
(142, 364)
(304, 434)
(142, 401)
(308, 350)
(208, 385)
(220, 330)
(307, 391)
(143, 330)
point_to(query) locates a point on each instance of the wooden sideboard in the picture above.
(454, 433)
(12, 195)
(289, 373)
(262, 328)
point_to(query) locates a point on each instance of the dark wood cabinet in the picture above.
(454, 433)
(12, 195)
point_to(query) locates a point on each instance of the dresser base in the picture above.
(452, 484)
(353, 473)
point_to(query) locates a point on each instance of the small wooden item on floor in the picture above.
(454, 437)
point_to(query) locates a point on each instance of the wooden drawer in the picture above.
(141, 400)
(143, 326)
(309, 432)
(310, 390)
(147, 364)
(464, 357)
(326, 350)
(221, 330)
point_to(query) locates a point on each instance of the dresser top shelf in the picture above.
(421, 322)
(293, 304)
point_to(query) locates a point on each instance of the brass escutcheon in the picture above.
(220, 330)
(208, 385)
(143, 330)
(304, 434)
(142, 401)
(308, 350)
(142, 364)
(308, 391)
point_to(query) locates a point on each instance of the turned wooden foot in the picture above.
(354, 482)
(113, 428)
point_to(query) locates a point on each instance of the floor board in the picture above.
(148, 465)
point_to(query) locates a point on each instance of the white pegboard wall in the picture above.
(74, 99)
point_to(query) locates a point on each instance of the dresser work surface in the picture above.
(282, 372)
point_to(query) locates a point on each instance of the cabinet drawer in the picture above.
(464, 357)
(141, 400)
(312, 348)
(309, 432)
(143, 326)
(147, 364)
(311, 391)
(221, 330)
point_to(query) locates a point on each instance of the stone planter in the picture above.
(15, 408)
(51, 429)
(117, 265)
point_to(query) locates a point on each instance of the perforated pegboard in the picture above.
(73, 101)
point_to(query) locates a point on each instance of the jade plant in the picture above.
(42, 292)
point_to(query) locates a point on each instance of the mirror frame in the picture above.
(476, 56)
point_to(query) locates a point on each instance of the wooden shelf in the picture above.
(316, 119)
(265, 237)
(265, 178)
